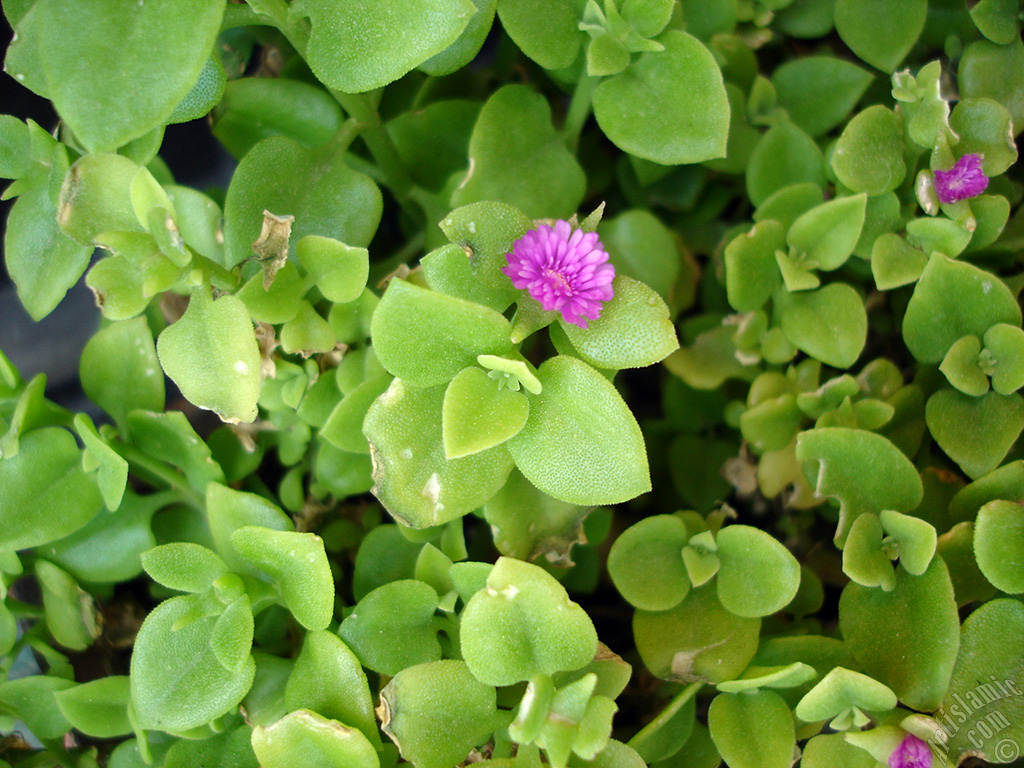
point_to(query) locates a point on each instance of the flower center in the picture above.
(558, 282)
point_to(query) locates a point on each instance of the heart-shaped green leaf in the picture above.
(976, 432)
(45, 474)
(303, 737)
(357, 47)
(906, 638)
(669, 106)
(517, 157)
(952, 300)
(751, 274)
(960, 365)
(879, 31)
(633, 331)
(829, 324)
(212, 355)
(840, 690)
(757, 576)
(581, 444)
(1005, 343)
(346, 698)
(864, 559)
(340, 270)
(825, 236)
(441, 697)
(478, 414)
(425, 338)
(547, 31)
(987, 679)
(335, 202)
(393, 627)
(696, 640)
(863, 470)
(196, 688)
(915, 540)
(413, 479)
(93, 56)
(646, 563)
(298, 564)
(869, 154)
(524, 624)
(752, 730)
(999, 545)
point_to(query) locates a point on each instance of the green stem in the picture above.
(346, 134)
(665, 715)
(273, 13)
(149, 470)
(579, 110)
(360, 107)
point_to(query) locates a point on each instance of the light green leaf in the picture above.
(94, 55)
(305, 738)
(581, 444)
(524, 624)
(184, 566)
(751, 273)
(987, 681)
(255, 108)
(196, 688)
(478, 414)
(98, 708)
(516, 157)
(646, 563)
(951, 300)
(825, 236)
(393, 627)
(545, 30)
(696, 640)
(328, 679)
(976, 432)
(120, 371)
(298, 565)
(829, 324)
(212, 355)
(413, 479)
(863, 470)
(999, 545)
(752, 730)
(869, 154)
(335, 201)
(634, 330)
(906, 638)
(31, 231)
(669, 106)
(881, 32)
(71, 614)
(45, 474)
(442, 697)
(757, 576)
(340, 271)
(425, 338)
(363, 45)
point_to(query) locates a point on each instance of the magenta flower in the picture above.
(564, 269)
(911, 753)
(962, 181)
